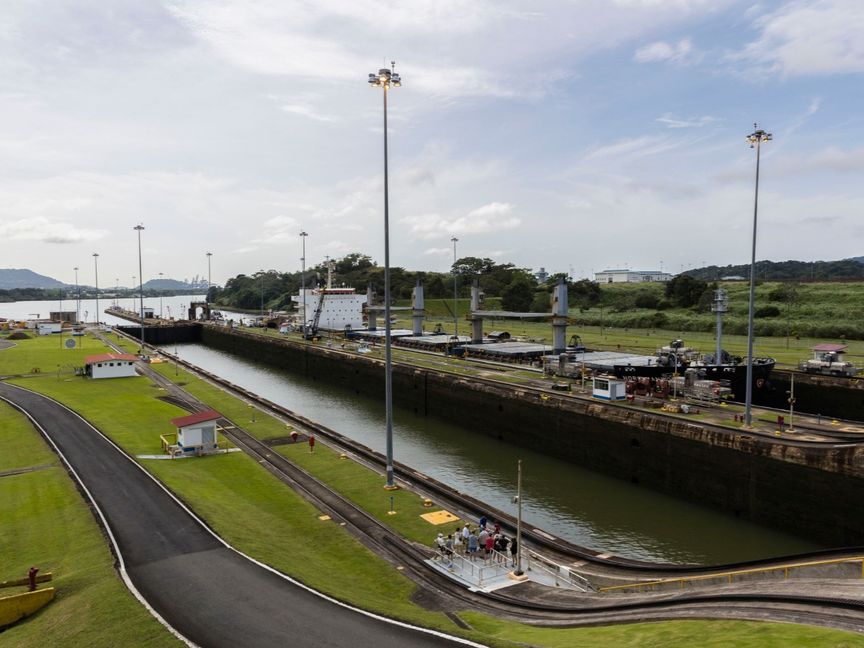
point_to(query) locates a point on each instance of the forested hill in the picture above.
(844, 270)
(11, 278)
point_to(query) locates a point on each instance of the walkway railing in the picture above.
(561, 574)
(479, 570)
(730, 576)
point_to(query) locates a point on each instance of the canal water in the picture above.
(174, 306)
(582, 506)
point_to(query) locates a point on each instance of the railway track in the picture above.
(583, 609)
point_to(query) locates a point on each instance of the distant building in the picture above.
(110, 365)
(631, 276)
(541, 275)
(733, 278)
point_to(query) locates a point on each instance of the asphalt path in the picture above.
(206, 591)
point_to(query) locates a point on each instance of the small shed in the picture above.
(110, 365)
(196, 433)
(607, 388)
(49, 328)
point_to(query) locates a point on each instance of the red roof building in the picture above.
(109, 357)
(198, 417)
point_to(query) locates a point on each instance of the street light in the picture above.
(755, 139)
(139, 228)
(160, 295)
(209, 254)
(384, 80)
(303, 236)
(96, 270)
(77, 298)
(455, 293)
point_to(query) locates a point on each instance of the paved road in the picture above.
(207, 592)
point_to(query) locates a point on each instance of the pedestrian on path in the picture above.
(458, 545)
(472, 545)
(311, 443)
(514, 549)
(439, 545)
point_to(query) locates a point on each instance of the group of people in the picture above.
(483, 542)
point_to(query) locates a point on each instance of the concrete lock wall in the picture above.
(811, 492)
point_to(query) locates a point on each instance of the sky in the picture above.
(574, 135)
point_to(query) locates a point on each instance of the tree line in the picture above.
(518, 288)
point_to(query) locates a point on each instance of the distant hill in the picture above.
(168, 284)
(11, 278)
(843, 270)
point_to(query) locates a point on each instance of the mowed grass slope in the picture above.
(44, 522)
(262, 517)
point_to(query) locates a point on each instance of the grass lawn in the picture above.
(47, 354)
(364, 487)
(46, 523)
(264, 518)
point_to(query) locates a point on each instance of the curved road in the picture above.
(206, 591)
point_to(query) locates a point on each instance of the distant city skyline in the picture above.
(577, 136)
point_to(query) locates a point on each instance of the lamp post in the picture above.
(77, 297)
(206, 297)
(139, 228)
(384, 80)
(303, 236)
(262, 294)
(518, 499)
(454, 240)
(160, 296)
(96, 271)
(755, 139)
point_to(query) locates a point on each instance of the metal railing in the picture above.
(729, 576)
(561, 574)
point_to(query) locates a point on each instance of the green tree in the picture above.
(518, 295)
(684, 290)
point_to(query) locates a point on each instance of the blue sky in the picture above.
(572, 135)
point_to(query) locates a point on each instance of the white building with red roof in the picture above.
(110, 365)
(196, 433)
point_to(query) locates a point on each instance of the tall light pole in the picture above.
(755, 139)
(303, 236)
(384, 80)
(519, 571)
(77, 298)
(96, 271)
(139, 228)
(455, 240)
(160, 296)
(209, 254)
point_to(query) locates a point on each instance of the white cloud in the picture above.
(47, 231)
(437, 252)
(491, 217)
(638, 147)
(660, 51)
(306, 111)
(671, 121)
(809, 38)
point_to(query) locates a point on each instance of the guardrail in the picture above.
(729, 576)
(559, 573)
